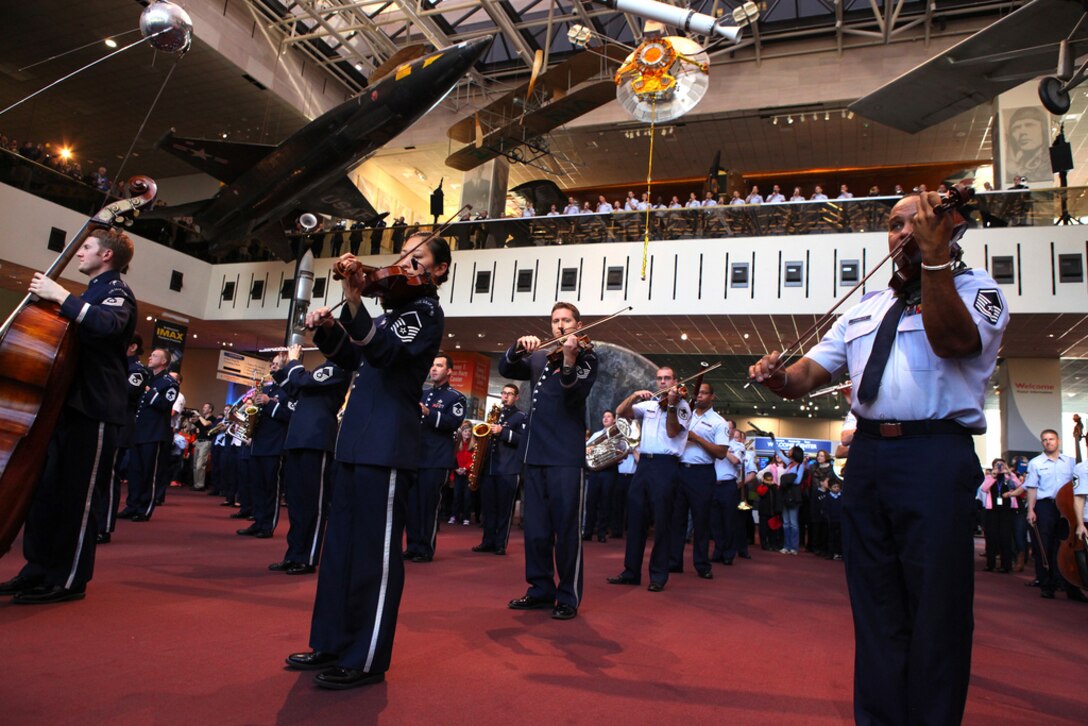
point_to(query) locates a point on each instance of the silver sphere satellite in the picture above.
(167, 27)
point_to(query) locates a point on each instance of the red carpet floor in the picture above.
(183, 624)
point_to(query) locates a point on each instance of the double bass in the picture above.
(1072, 550)
(38, 353)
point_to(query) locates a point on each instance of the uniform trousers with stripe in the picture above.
(244, 495)
(228, 473)
(264, 474)
(105, 507)
(424, 501)
(362, 573)
(620, 492)
(497, 494)
(650, 499)
(145, 462)
(552, 518)
(307, 474)
(909, 550)
(695, 493)
(726, 525)
(600, 486)
(61, 526)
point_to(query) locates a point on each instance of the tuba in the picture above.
(481, 435)
(611, 446)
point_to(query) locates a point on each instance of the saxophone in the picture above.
(481, 435)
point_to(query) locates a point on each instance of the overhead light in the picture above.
(789, 119)
(849, 115)
(110, 43)
(449, 335)
(150, 318)
(775, 121)
(224, 134)
(683, 336)
(746, 336)
(358, 66)
(827, 115)
(65, 152)
(194, 336)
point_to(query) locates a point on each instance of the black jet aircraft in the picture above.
(265, 186)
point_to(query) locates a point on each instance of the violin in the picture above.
(1072, 551)
(682, 389)
(555, 356)
(584, 343)
(392, 284)
(908, 258)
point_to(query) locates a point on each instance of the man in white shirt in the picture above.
(818, 194)
(844, 193)
(1047, 473)
(737, 199)
(775, 197)
(797, 195)
(630, 203)
(603, 206)
(693, 201)
(710, 201)
(754, 197)
(572, 206)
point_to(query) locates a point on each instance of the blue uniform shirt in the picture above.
(917, 384)
(1047, 476)
(711, 427)
(153, 413)
(725, 470)
(628, 465)
(318, 395)
(504, 454)
(556, 430)
(655, 438)
(105, 318)
(391, 356)
(1080, 483)
(445, 412)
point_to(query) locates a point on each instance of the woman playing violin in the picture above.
(362, 574)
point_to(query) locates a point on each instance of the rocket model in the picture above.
(300, 302)
(686, 19)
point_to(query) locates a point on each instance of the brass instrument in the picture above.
(240, 422)
(481, 434)
(744, 506)
(613, 445)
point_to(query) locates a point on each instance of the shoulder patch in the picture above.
(407, 326)
(459, 408)
(682, 413)
(322, 374)
(291, 405)
(171, 394)
(115, 302)
(988, 303)
(136, 379)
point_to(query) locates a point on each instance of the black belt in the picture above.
(694, 466)
(657, 456)
(900, 429)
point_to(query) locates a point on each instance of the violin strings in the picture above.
(649, 178)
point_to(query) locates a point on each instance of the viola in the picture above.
(1072, 550)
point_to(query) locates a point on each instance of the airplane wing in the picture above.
(340, 199)
(537, 123)
(1017, 48)
(554, 82)
(223, 160)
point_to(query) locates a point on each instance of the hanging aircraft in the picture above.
(265, 187)
(1015, 49)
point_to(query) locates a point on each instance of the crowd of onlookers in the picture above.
(46, 154)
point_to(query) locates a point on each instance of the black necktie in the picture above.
(882, 349)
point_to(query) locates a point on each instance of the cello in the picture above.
(38, 352)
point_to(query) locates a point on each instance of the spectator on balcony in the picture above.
(617, 206)
(797, 195)
(528, 210)
(874, 191)
(818, 194)
(674, 203)
(899, 190)
(552, 212)
(399, 227)
(710, 201)
(630, 204)
(659, 203)
(572, 206)
(643, 203)
(1019, 182)
(603, 205)
(844, 193)
(30, 151)
(987, 187)
(737, 198)
(586, 208)
(754, 197)
(775, 197)
(693, 201)
(942, 189)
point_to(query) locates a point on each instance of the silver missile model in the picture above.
(300, 302)
(686, 19)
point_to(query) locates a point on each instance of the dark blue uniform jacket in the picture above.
(153, 413)
(445, 412)
(504, 454)
(271, 431)
(318, 395)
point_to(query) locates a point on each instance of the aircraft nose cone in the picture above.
(475, 49)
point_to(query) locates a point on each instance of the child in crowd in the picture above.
(770, 506)
(833, 512)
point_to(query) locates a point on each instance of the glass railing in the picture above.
(867, 214)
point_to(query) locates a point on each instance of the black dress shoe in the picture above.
(676, 570)
(420, 558)
(745, 556)
(248, 532)
(563, 612)
(621, 580)
(500, 550)
(315, 660)
(126, 513)
(527, 602)
(18, 584)
(339, 679)
(298, 568)
(139, 518)
(655, 587)
(103, 538)
(47, 594)
(1076, 595)
(283, 566)
(728, 563)
(483, 548)
(1047, 594)
(1033, 583)
(263, 534)
(708, 575)
(226, 504)
(601, 538)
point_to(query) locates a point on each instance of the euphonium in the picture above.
(481, 434)
(611, 446)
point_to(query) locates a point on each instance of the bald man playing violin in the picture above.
(554, 455)
(920, 357)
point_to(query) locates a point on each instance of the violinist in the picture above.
(377, 451)
(920, 355)
(62, 526)
(665, 420)
(554, 456)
